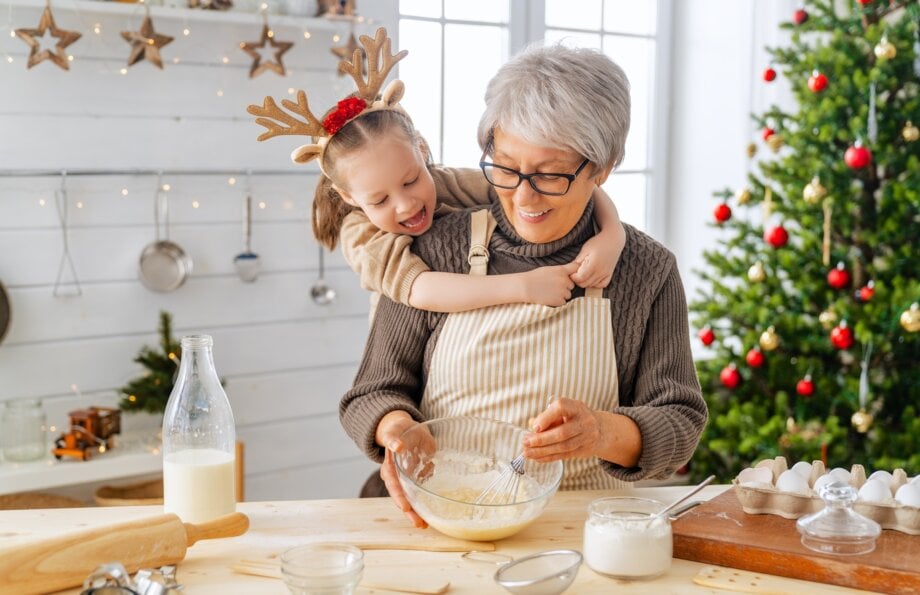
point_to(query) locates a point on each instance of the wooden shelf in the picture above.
(133, 454)
(191, 14)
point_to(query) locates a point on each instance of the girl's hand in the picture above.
(596, 261)
(549, 285)
(389, 430)
(566, 429)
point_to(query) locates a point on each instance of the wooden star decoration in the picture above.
(146, 44)
(64, 37)
(258, 65)
(346, 52)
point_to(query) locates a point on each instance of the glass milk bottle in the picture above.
(199, 439)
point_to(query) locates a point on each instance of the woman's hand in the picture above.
(389, 430)
(566, 429)
(549, 285)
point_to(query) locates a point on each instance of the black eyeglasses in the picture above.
(551, 184)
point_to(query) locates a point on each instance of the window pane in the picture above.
(629, 16)
(490, 11)
(574, 14)
(570, 39)
(421, 72)
(467, 69)
(636, 57)
(420, 8)
(628, 194)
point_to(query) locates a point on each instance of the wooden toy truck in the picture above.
(91, 430)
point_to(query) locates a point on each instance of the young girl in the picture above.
(379, 191)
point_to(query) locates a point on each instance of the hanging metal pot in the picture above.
(4, 312)
(163, 265)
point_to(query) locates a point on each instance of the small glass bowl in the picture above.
(322, 569)
(837, 528)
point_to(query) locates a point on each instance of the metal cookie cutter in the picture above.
(113, 579)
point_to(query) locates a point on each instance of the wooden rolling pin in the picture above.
(62, 562)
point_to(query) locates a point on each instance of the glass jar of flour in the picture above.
(624, 539)
(22, 430)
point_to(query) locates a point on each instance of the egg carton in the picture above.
(765, 498)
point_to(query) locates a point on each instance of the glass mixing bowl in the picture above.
(449, 463)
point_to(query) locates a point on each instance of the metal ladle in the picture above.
(322, 294)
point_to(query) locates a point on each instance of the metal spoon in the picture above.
(247, 262)
(321, 293)
(698, 487)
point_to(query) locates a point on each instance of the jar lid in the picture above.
(837, 528)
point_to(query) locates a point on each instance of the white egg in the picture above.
(756, 475)
(792, 482)
(803, 469)
(909, 495)
(823, 481)
(840, 474)
(875, 490)
(883, 475)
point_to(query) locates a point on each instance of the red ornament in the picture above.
(345, 110)
(842, 336)
(857, 156)
(799, 16)
(730, 376)
(722, 213)
(706, 335)
(769, 74)
(805, 386)
(776, 236)
(768, 132)
(817, 82)
(838, 278)
(866, 292)
(755, 358)
(864, 2)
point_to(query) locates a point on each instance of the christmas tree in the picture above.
(809, 304)
(150, 392)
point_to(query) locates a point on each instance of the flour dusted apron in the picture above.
(508, 362)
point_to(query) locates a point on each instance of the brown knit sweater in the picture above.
(658, 386)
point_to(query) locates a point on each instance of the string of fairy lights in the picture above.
(49, 43)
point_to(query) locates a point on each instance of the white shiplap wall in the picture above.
(285, 359)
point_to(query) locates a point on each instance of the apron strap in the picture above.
(594, 292)
(482, 224)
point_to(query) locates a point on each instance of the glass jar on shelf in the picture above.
(22, 430)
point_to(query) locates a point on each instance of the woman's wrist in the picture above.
(388, 427)
(621, 439)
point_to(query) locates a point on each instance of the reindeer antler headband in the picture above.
(364, 101)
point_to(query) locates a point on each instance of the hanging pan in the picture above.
(4, 312)
(164, 265)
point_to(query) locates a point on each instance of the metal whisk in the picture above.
(503, 489)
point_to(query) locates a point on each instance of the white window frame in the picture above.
(526, 24)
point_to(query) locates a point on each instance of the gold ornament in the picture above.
(743, 196)
(910, 319)
(756, 273)
(146, 44)
(885, 50)
(347, 52)
(64, 37)
(751, 150)
(769, 340)
(252, 48)
(910, 133)
(775, 142)
(862, 421)
(814, 191)
(828, 319)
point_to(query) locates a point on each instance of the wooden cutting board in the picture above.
(720, 532)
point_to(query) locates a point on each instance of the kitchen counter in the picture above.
(276, 526)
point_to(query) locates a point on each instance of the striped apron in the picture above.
(508, 362)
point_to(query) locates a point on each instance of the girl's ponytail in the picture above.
(329, 211)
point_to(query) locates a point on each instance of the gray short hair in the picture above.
(560, 96)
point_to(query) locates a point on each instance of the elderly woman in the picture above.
(626, 402)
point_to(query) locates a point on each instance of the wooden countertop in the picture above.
(277, 526)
